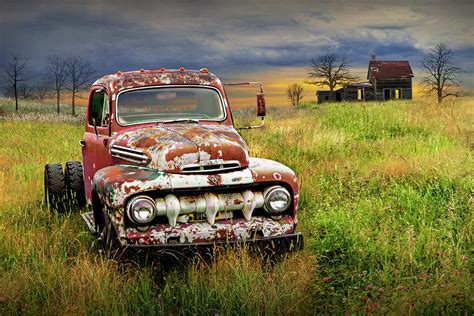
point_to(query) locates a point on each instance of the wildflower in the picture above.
(326, 279)
(381, 289)
(370, 287)
(456, 271)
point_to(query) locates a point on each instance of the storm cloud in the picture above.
(229, 37)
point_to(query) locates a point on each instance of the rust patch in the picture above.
(130, 189)
(236, 229)
(214, 179)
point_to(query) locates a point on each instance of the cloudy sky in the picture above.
(269, 40)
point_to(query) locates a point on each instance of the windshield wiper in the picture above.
(180, 121)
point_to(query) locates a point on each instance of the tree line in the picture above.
(61, 73)
(441, 74)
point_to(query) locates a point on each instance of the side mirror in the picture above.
(261, 110)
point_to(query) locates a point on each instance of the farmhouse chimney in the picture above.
(373, 57)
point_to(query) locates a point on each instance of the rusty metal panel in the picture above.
(237, 229)
(115, 183)
(121, 81)
(173, 146)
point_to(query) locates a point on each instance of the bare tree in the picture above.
(79, 74)
(15, 72)
(42, 90)
(330, 70)
(442, 73)
(56, 75)
(295, 94)
(25, 91)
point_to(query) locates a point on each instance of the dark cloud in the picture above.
(233, 35)
(387, 27)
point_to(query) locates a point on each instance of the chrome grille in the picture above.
(129, 154)
(211, 166)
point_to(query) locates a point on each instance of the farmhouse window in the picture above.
(398, 93)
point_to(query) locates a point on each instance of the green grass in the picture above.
(386, 210)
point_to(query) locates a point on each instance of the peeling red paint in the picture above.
(238, 202)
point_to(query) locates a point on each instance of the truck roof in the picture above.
(141, 78)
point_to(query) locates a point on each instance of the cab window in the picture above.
(99, 108)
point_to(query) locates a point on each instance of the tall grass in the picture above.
(386, 210)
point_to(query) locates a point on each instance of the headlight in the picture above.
(277, 199)
(141, 210)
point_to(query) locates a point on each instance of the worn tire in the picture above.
(105, 231)
(73, 176)
(107, 237)
(55, 188)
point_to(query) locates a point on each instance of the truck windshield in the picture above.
(169, 103)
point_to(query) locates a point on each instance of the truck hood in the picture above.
(170, 147)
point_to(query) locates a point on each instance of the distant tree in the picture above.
(56, 75)
(295, 94)
(330, 70)
(15, 73)
(42, 90)
(25, 91)
(442, 75)
(79, 73)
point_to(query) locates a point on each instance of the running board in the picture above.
(88, 218)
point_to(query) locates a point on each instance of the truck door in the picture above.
(95, 154)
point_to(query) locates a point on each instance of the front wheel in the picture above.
(55, 188)
(107, 235)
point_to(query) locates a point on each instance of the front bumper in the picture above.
(260, 232)
(275, 244)
(224, 230)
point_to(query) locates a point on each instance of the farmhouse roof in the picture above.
(389, 69)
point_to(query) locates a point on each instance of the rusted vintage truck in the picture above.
(163, 167)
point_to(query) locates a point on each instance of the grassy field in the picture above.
(386, 210)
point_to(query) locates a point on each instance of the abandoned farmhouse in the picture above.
(387, 80)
